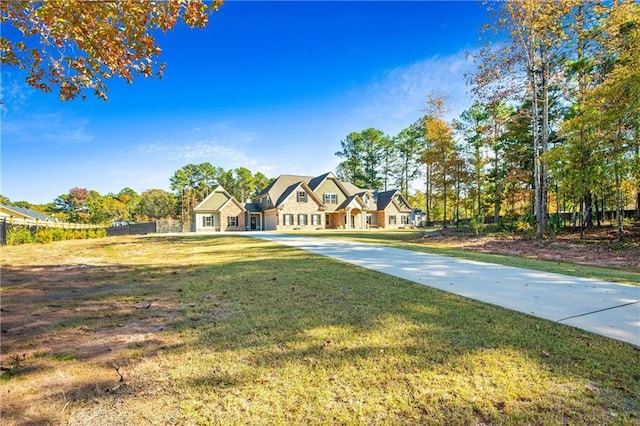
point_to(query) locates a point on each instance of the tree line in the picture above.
(190, 185)
(554, 126)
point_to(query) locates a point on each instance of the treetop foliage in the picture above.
(75, 45)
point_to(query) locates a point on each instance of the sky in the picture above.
(272, 86)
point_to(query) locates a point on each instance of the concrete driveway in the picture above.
(605, 308)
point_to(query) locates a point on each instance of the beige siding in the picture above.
(292, 206)
(329, 186)
(392, 210)
(232, 210)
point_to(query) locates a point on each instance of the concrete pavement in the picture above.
(606, 308)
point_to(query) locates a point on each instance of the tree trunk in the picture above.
(427, 194)
(619, 207)
(444, 199)
(588, 209)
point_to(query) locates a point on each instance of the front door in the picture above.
(254, 223)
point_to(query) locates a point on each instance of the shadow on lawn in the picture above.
(279, 305)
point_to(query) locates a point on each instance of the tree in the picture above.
(351, 169)
(613, 107)
(76, 45)
(409, 144)
(189, 182)
(156, 204)
(535, 31)
(441, 151)
(74, 204)
(473, 125)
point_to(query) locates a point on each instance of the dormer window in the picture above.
(330, 198)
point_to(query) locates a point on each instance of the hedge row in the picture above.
(25, 235)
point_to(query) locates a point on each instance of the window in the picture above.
(232, 220)
(315, 219)
(365, 198)
(401, 203)
(392, 220)
(327, 221)
(207, 220)
(302, 219)
(302, 197)
(330, 198)
(404, 219)
(287, 219)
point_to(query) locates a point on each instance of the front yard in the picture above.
(231, 330)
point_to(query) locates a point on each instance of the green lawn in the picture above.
(246, 331)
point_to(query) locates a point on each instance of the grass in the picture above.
(407, 239)
(232, 330)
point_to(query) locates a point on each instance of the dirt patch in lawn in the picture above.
(599, 247)
(77, 311)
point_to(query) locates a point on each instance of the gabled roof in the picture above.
(316, 181)
(293, 188)
(205, 205)
(24, 212)
(352, 189)
(278, 186)
(281, 188)
(350, 199)
(386, 197)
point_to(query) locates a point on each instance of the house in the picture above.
(219, 211)
(10, 213)
(293, 202)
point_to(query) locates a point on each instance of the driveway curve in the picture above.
(605, 308)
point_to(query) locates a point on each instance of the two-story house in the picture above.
(293, 202)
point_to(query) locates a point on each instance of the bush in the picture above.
(554, 224)
(44, 235)
(19, 235)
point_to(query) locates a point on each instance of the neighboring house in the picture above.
(294, 202)
(20, 213)
(219, 211)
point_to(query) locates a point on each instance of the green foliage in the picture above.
(18, 235)
(44, 235)
(477, 223)
(554, 225)
(64, 356)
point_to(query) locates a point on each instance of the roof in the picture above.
(384, 198)
(281, 188)
(387, 197)
(21, 211)
(216, 200)
(252, 207)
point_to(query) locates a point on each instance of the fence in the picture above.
(132, 229)
(33, 225)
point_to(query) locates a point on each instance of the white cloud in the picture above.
(55, 127)
(399, 97)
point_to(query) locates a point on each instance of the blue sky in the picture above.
(270, 86)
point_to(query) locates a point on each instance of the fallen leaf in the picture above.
(333, 377)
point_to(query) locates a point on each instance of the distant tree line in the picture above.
(555, 126)
(190, 185)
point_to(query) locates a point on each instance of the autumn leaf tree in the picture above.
(74, 46)
(441, 152)
(530, 59)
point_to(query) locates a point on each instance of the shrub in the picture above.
(19, 235)
(44, 235)
(554, 224)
